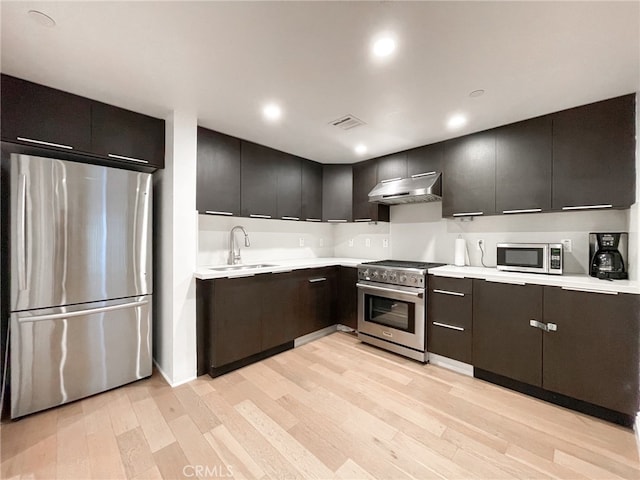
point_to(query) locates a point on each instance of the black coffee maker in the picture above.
(608, 254)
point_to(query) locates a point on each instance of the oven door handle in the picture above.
(389, 290)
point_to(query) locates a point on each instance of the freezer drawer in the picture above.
(65, 353)
(79, 233)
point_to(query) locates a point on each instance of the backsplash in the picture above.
(362, 240)
(270, 239)
(418, 232)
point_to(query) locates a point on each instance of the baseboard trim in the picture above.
(637, 430)
(217, 371)
(166, 377)
(310, 337)
(451, 364)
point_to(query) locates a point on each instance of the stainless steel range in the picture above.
(392, 306)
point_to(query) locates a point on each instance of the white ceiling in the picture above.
(224, 60)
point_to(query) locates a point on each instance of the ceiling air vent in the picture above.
(347, 122)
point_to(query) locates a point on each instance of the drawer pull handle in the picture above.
(387, 334)
(447, 292)
(362, 220)
(214, 212)
(313, 220)
(524, 210)
(589, 290)
(445, 325)
(129, 159)
(587, 207)
(467, 214)
(49, 144)
(256, 215)
(290, 218)
(315, 280)
(337, 220)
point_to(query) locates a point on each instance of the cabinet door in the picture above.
(364, 179)
(347, 308)
(126, 136)
(259, 180)
(469, 177)
(337, 190)
(236, 315)
(282, 308)
(218, 182)
(37, 115)
(311, 191)
(503, 341)
(318, 292)
(523, 166)
(593, 354)
(392, 166)
(594, 154)
(289, 195)
(449, 318)
(425, 159)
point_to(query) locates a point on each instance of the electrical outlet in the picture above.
(566, 245)
(385, 243)
(301, 241)
(351, 242)
(480, 244)
(367, 242)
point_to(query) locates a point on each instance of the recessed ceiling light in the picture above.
(477, 93)
(41, 18)
(272, 112)
(360, 149)
(457, 121)
(383, 46)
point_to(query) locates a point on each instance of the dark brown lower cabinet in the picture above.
(593, 354)
(503, 341)
(282, 308)
(318, 290)
(449, 318)
(347, 309)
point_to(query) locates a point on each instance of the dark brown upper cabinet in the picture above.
(425, 159)
(337, 193)
(391, 167)
(218, 181)
(37, 115)
(289, 193)
(126, 136)
(469, 177)
(259, 180)
(523, 166)
(311, 191)
(364, 179)
(594, 155)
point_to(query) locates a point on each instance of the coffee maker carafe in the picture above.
(608, 254)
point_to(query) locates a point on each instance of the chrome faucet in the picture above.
(234, 258)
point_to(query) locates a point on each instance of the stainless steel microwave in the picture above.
(530, 257)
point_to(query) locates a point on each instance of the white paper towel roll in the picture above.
(459, 252)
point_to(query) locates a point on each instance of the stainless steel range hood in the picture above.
(425, 187)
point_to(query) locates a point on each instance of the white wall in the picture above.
(362, 240)
(176, 241)
(418, 232)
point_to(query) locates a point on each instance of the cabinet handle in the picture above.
(547, 327)
(129, 159)
(447, 292)
(48, 144)
(445, 325)
(256, 215)
(524, 210)
(552, 327)
(338, 220)
(587, 207)
(313, 219)
(362, 220)
(418, 175)
(589, 290)
(215, 212)
(390, 180)
(290, 218)
(387, 334)
(315, 280)
(467, 214)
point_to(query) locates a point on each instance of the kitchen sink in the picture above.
(231, 268)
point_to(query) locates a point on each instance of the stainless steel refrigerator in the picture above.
(81, 284)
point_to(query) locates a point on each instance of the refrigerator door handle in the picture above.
(91, 311)
(22, 232)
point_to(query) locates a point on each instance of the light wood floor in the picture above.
(334, 408)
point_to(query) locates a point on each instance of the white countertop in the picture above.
(570, 281)
(205, 272)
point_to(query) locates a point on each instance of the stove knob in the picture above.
(393, 277)
(375, 274)
(414, 279)
(384, 275)
(365, 273)
(403, 278)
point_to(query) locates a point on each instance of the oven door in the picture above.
(392, 313)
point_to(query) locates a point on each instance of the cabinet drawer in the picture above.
(449, 340)
(451, 285)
